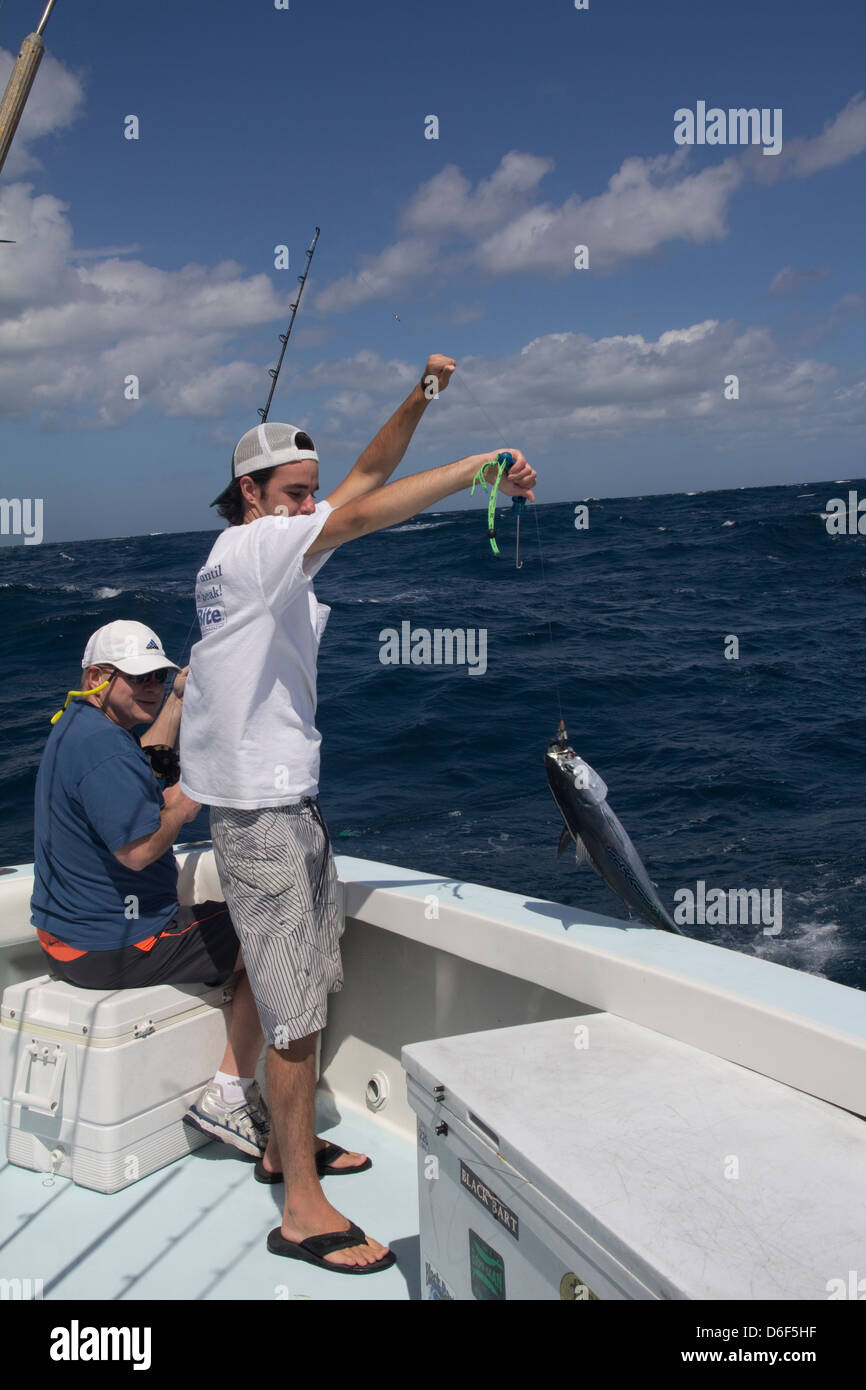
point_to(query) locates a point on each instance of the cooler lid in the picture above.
(100, 1014)
(695, 1165)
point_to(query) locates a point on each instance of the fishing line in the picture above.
(461, 377)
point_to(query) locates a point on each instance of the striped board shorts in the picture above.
(280, 883)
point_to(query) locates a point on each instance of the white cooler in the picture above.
(591, 1158)
(95, 1083)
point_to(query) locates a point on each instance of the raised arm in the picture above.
(401, 500)
(382, 454)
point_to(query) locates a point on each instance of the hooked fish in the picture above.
(598, 836)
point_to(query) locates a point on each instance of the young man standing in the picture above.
(251, 752)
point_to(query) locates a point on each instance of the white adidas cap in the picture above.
(267, 446)
(131, 647)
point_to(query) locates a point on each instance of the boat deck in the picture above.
(484, 960)
(197, 1228)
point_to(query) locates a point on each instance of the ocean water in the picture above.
(741, 773)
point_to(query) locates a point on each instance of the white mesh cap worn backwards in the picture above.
(267, 446)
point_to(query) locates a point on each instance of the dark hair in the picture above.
(232, 505)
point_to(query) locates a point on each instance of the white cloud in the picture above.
(205, 396)
(443, 206)
(842, 139)
(566, 388)
(788, 280)
(500, 227)
(56, 100)
(71, 333)
(74, 324)
(446, 202)
(647, 203)
(383, 275)
(848, 307)
(100, 253)
(366, 371)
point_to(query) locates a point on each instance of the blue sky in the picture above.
(556, 126)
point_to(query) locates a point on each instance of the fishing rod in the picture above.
(274, 372)
(20, 82)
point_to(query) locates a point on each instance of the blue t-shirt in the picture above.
(95, 793)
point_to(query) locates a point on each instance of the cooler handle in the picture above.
(484, 1129)
(43, 1104)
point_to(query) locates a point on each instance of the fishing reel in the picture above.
(164, 762)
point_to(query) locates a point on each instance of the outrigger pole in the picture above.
(274, 372)
(19, 84)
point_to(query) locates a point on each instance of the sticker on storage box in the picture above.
(486, 1268)
(489, 1200)
(573, 1290)
(437, 1290)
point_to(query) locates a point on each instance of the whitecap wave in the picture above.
(411, 594)
(811, 949)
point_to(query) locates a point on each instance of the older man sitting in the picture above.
(105, 880)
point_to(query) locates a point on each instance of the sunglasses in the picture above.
(154, 676)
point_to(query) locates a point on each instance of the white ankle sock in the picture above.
(234, 1088)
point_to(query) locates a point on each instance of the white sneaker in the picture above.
(245, 1124)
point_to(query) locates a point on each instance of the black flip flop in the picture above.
(324, 1159)
(313, 1250)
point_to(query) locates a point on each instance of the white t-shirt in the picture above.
(248, 737)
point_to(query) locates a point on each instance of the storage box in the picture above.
(591, 1158)
(95, 1083)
